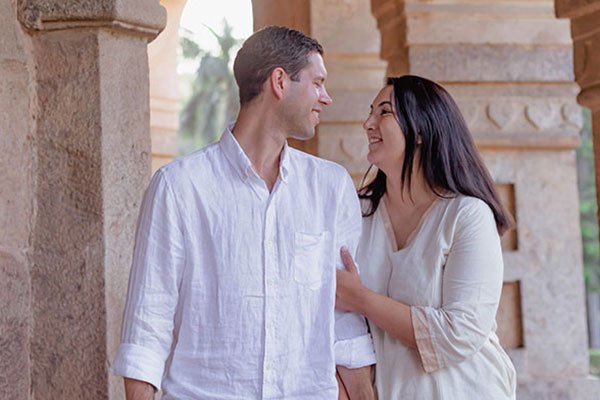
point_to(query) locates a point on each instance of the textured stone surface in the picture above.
(16, 207)
(14, 328)
(585, 388)
(143, 15)
(68, 341)
(496, 22)
(93, 159)
(499, 62)
(547, 262)
(125, 171)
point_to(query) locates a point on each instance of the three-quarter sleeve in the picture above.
(471, 287)
(154, 282)
(353, 344)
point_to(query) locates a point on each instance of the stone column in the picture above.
(164, 87)
(90, 111)
(585, 30)
(16, 207)
(348, 31)
(509, 66)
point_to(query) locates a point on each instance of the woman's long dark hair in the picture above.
(448, 157)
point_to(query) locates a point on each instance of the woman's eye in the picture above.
(384, 112)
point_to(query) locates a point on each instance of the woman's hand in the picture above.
(349, 287)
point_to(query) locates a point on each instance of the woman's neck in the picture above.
(415, 194)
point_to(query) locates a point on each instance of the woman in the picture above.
(430, 254)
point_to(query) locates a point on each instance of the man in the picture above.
(232, 289)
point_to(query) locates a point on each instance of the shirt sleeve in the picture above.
(471, 287)
(353, 343)
(154, 283)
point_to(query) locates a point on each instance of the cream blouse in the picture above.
(450, 272)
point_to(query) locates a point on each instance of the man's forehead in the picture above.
(316, 65)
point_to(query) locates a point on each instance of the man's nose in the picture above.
(325, 98)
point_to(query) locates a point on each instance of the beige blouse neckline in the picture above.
(387, 224)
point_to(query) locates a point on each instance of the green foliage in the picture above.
(213, 101)
(595, 361)
(588, 207)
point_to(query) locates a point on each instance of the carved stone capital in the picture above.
(143, 17)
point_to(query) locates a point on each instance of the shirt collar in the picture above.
(240, 161)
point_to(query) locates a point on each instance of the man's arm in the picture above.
(357, 383)
(153, 292)
(353, 347)
(138, 390)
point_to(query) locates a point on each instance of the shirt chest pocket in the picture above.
(309, 263)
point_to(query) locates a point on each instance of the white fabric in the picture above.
(450, 273)
(232, 289)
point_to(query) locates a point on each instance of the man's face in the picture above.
(306, 98)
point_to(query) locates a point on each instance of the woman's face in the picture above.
(386, 140)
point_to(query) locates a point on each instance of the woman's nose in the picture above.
(368, 124)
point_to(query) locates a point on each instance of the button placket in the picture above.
(271, 295)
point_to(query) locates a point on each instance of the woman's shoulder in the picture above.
(468, 209)
(467, 204)
(470, 213)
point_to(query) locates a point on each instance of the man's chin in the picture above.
(307, 135)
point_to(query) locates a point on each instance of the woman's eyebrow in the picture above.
(384, 103)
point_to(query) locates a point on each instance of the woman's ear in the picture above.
(277, 82)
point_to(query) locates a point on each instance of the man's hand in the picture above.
(138, 390)
(357, 383)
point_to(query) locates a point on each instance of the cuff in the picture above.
(424, 339)
(355, 353)
(137, 362)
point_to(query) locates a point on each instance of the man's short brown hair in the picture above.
(267, 49)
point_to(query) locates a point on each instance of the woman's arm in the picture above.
(355, 384)
(138, 390)
(390, 315)
(471, 286)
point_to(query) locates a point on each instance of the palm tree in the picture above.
(213, 101)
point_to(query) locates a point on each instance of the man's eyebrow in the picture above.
(320, 78)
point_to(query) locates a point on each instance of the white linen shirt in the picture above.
(232, 288)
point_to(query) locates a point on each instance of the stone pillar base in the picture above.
(576, 389)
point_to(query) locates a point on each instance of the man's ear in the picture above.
(277, 82)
